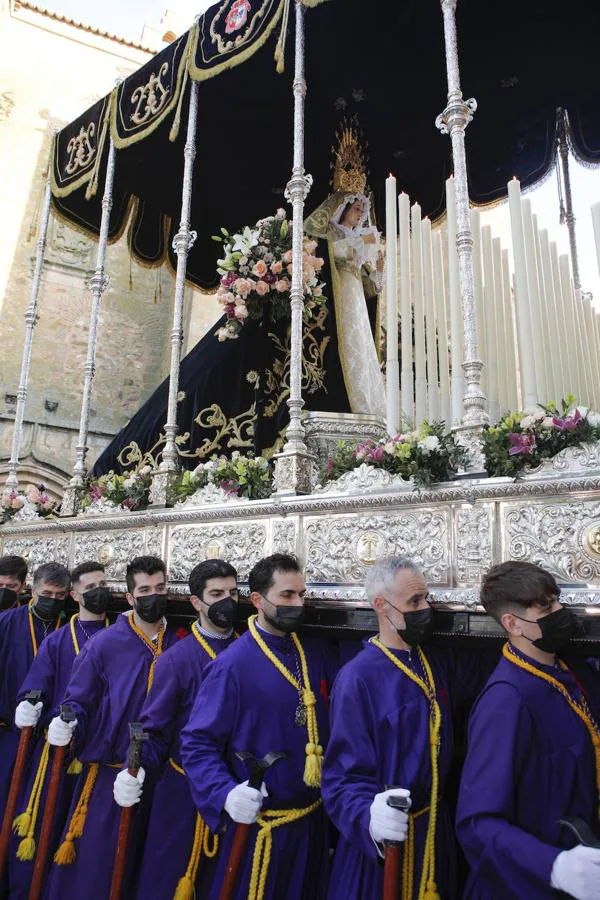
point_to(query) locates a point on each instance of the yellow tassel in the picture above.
(185, 889)
(22, 824)
(313, 766)
(65, 855)
(26, 850)
(431, 892)
(75, 768)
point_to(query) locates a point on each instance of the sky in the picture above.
(126, 18)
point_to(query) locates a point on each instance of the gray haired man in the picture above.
(392, 737)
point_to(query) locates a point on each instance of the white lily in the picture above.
(246, 240)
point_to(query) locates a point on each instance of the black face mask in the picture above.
(222, 612)
(418, 626)
(286, 618)
(8, 598)
(48, 608)
(557, 630)
(96, 600)
(151, 607)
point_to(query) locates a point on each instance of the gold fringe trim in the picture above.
(66, 853)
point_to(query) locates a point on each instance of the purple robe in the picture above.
(16, 656)
(379, 738)
(530, 763)
(171, 828)
(245, 704)
(108, 687)
(49, 673)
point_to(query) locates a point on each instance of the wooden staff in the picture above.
(67, 714)
(137, 736)
(391, 871)
(256, 771)
(15, 785)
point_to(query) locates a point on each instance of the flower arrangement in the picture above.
(34, 502)
(428, 455)
(248, 476)
(524, 439)
(256, 272)
(129, 491)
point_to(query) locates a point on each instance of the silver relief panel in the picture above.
(473, 544)
(242, 545)
(114, 549)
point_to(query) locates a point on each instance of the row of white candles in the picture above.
(538, 338)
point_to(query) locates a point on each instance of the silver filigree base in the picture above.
(470, 437)
(162, 488)
(72, 501)
(323, 430)
(294, 473)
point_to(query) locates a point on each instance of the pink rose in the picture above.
(261, 288)
(282, 286)
(310, 246)
(241, 313)
(243, 287)
(277, 267)
(18, 503)
(287, 256)
(225, 298)
(259, 268)
(318, 263)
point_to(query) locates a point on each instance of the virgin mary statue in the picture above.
(233, 393)
(356, 264)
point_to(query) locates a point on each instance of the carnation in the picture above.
(429, 443)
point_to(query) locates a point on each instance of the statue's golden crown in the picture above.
(349, 164)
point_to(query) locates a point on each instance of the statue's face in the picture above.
(354, 214)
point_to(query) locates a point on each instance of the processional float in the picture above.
(459, 301)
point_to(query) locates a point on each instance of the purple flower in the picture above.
(377, 454)
(227, 280)
(96, 492)
(329, 465)
(521, 443)
(128, 503)
(569, 423)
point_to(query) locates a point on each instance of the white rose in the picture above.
(528, 422)
(429, 443)
(594, 419)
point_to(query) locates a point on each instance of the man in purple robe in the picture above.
(266, 694)
(180, 853)
(13, 575)
(392, 734)
(49, 674)
(531, 764)
(107, 689)
(22, 630)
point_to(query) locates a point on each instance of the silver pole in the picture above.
(31, 317)
(563, 151)
(98, 285)
(293, 465)
(453, 121)
(182, 244)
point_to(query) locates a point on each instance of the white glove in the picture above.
(60, 733)
(27, 714)
(577, 872)
(127, 789)
(387, 823)
(244, 803)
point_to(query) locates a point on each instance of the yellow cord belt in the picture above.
(24, 825)
(200, 847)
(408, 861)
(34, 642)
(267, 821)
(155, 650)
(578, 708)
(427, 887)
(314, 750)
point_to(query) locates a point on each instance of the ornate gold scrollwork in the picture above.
(80, 149)
(150, 97)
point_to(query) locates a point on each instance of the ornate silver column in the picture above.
(453, 121)
(562, 127)
(31, 317)
(293, 467)
(98, 283)
(182, 243)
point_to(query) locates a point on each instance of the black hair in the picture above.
(210, 568)
(52, 573)
(13, 565)
(261, 576)
(85, 568)
(516, 585)
(148, 565)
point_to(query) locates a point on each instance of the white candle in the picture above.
(568, 364)
(392, 372)
(420, 370)
(489, 319)
(456, 320)
(573, 350)
(442, 320)
(592, 356)
(513, 400)
(585, 396)
(407, 380)
(539, 348)
(596, 223)
(555, 324)
(525, 336)
(501, 333)
(433, 389)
